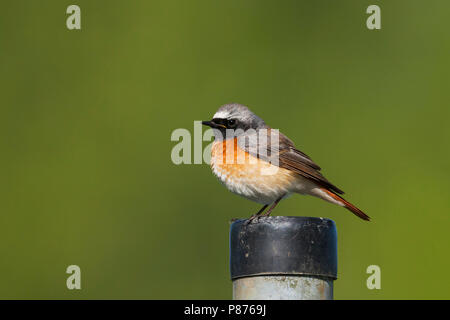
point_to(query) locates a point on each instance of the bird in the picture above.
(261, 164)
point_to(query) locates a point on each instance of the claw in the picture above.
(253, 217)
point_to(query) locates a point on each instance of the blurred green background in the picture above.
(86, 118)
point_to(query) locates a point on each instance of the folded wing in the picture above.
(283, 154)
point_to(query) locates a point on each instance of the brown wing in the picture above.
(288, 157)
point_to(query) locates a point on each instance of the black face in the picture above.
(221, 123)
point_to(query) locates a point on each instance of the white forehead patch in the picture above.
(221, 115)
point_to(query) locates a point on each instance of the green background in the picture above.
(86, 118)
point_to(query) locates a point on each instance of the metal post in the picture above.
(283, 258)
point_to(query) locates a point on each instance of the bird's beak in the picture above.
(212, 124)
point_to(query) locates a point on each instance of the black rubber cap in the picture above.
(283, 246)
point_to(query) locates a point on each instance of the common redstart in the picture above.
(263, 165)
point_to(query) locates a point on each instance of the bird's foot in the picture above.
(233, 220)
(253, 217)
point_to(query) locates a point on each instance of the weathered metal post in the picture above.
(283, 258)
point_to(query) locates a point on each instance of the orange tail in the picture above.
(347, 205)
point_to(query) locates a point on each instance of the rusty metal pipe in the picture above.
(281, 258)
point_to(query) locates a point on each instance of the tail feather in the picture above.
(347, 205)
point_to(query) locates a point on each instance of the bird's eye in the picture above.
(231, 123)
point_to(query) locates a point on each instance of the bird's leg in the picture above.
(256, 214)
(272, 207)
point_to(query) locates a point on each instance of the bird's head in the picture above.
(233, 120)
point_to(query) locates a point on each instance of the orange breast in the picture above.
(234, 165)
